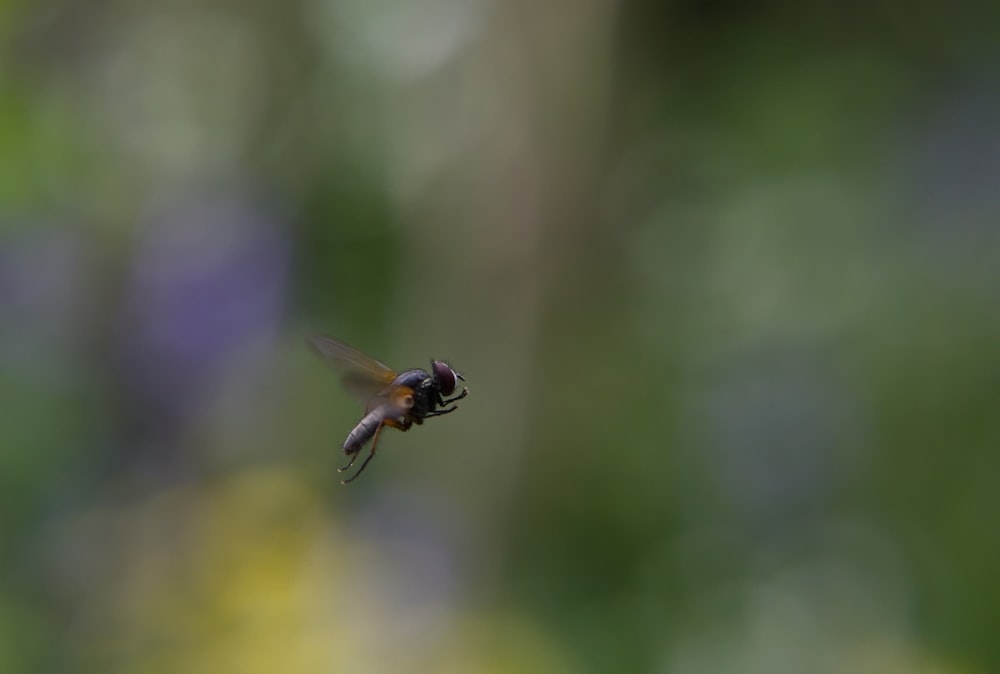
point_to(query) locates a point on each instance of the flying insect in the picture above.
(393, 399)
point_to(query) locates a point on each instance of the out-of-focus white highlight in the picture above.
(396, 39)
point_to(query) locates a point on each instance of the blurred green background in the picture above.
(724, 280)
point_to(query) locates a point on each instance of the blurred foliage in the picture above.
(722, 278)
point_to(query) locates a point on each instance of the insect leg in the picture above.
(437, 413)
(354, 456)
(465, 392)
(401, 425)
(371, 454)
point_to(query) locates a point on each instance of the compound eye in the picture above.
(445, 377)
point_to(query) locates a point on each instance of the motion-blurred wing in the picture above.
(397, 400)
(362, 376)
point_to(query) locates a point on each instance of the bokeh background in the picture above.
(724, 279)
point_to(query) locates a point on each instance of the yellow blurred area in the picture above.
(223, 577)
(251, 574)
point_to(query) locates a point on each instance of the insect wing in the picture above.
(363, 376)
(397, 401)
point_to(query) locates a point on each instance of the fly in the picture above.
(393, 399)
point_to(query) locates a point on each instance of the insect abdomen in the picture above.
(364, 431)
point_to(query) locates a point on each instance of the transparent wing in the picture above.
(397, 400)
(361, 375)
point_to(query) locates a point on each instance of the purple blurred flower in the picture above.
(208, 280)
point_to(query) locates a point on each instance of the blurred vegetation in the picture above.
(723, 279)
